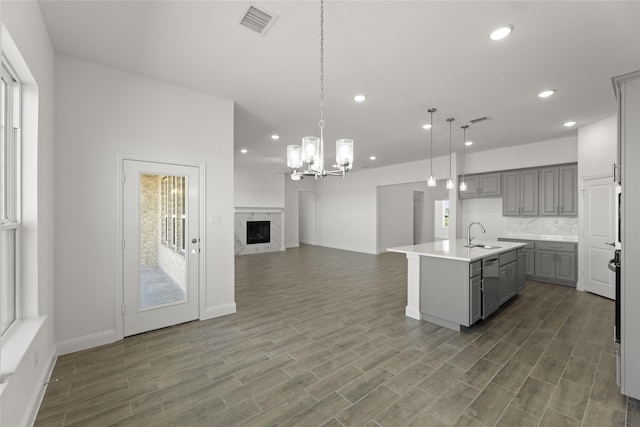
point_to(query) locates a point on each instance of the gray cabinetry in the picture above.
(507, 283)
(529, 262)
(520, 272)
(556, 262)
(482, 185)
(558, 195)
(475, 291)
(520, 193)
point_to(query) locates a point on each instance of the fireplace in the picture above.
(258, 232)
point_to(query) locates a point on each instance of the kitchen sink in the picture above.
(483, 246)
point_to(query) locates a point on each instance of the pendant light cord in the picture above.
(321, 123)
(450, 120)
(431, 111)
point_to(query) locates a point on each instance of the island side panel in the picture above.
(413, 287)
(444, 291)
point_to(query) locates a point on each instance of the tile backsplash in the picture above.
(557, 226)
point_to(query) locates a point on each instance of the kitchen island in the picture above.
(452, 285)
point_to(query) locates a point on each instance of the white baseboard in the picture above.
(350, 248)
(88, 341)
(292, 245)
(38, 394)
(217, 311)
(413, 312)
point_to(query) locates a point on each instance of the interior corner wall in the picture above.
(347, 208)
(103, 113)
(258, 188)
(597, 147)
(291, 208)
(19, 400)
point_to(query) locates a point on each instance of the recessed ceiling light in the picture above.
(468, 143)
(569, 123)
(546, 93)
(501, 33)
(359, 98)
(426, 127)
(372, 158)
(243, 151)
(275, 137)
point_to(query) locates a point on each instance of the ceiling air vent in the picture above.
(479, 119)
(257, 20)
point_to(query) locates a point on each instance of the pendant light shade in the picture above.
(450, 185)
(463, 184)
(431, 181)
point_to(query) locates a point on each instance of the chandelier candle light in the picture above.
(463, 184)
(450, 181)
(431, 182)
(311, 152)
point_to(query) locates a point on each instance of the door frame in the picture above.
(202, 272)
(313, 221)
(581, 207)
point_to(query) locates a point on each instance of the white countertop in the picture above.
(545, 237)
(456, 250)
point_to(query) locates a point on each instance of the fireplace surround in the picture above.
(252, 242)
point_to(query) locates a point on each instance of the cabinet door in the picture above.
(475, 293)
(472, 187)
(548, 204)
(568, 190)
(545, 264)
(503, 284)
(490, 185)
(529, 192)
(520, 282)
(529, 263)
(512, 274)
(511, 194)
(566, 266)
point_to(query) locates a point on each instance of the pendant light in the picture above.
(463, 184)
(431, 182)
(311, 152)
(450, 185)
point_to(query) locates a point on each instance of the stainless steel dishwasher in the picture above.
(490, 286)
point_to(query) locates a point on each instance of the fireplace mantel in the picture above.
(275, 215)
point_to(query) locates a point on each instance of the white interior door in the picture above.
(307, 217)
(599, 236)
(418, 214)
(160, 246)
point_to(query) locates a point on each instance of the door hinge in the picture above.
(123, 244)
(123, 178)
(123, 309)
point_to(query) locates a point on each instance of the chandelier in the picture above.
(311, 153)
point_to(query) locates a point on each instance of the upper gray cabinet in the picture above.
(559, 191)
(482, 185)
(520, 193)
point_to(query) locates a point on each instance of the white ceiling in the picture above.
(406, 56)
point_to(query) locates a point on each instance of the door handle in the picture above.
(611, 244)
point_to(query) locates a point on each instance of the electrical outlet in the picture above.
(37, 356)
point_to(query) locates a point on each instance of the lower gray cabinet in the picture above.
(529, 262)
(520, 270)
(556, 262)
(475, 292)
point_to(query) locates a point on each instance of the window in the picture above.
(9, 199)
(173, 212)
(445, 214)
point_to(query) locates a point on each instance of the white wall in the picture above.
(346, 208)
(597, 147)
(555, 151)
(20, 398)
(103, 113)
(395, 216)
(257, 188)
(291, 208)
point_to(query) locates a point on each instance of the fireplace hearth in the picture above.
(258, 232)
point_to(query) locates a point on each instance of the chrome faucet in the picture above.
(469, 238)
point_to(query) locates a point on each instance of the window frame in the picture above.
(10, 152)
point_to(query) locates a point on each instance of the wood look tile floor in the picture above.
(320, 338)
